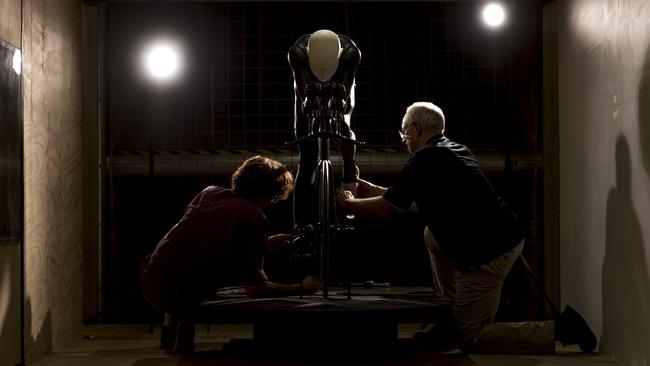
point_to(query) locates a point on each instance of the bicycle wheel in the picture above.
(325, 218)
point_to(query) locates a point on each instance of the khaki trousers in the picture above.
(475, 294)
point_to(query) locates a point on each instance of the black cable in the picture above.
(539, 285)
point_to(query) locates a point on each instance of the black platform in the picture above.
(367, 321)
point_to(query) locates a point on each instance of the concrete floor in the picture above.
(134, 345)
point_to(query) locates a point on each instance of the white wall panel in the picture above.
(605, 169)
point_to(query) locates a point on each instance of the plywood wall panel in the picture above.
(10, 21)
(53, 173)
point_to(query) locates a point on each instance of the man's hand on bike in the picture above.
(366, 189)
(310, 285)
(343, 197)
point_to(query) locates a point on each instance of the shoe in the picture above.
(184, 338)
(571, 328)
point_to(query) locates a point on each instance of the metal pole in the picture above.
(540, 286)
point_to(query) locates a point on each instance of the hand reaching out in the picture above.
(343, 197)
(366, 189)
(310, 285)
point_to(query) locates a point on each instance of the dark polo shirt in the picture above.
(467, 217)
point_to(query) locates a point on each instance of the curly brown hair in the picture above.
(259, 176)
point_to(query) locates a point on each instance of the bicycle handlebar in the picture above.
(326, 134)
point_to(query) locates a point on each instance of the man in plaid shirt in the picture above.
(220, 241)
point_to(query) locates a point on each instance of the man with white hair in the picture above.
(472, 236)
(322, 59)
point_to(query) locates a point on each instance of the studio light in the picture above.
(494, 15)
(162, 60)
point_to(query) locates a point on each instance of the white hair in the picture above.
(428, 114)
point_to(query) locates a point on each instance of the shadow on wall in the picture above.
(37, 346)
(626, 287)
(644, 111)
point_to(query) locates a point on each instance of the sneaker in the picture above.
(571, 328)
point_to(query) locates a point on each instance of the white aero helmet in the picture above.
(324, 48)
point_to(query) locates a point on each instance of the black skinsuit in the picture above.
(305, 201)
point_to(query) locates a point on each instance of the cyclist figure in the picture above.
(324, 65)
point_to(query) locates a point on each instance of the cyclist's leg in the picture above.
(348, 155)
(304, 196)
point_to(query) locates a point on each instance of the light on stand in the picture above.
(494, 15)
(162, 61)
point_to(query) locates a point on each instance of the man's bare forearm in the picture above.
(374, 207)
(273, 289)
(367, 189)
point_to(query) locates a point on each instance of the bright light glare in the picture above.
(494, 15)
(17, 62)
(162, 61)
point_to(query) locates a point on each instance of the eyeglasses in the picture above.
(402, 132)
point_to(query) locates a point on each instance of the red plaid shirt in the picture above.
(219, 241)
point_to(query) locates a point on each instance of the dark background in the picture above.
(235, 98)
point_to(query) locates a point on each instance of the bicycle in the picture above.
(325, 103)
